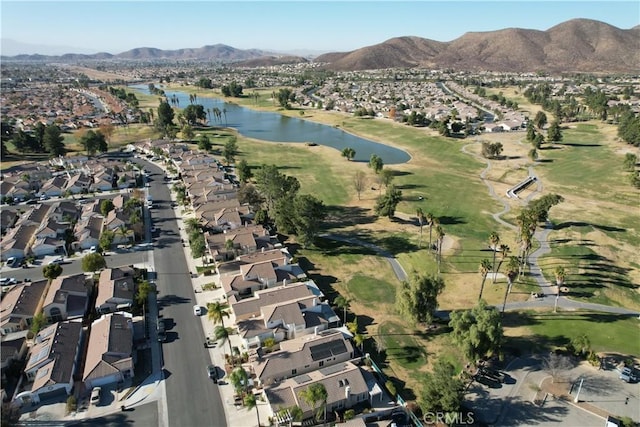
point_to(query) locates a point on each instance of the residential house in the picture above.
(110, 355)
(301, 355)
(64, 211)
(116, 288)
(79, 183)
(262, 275)
(53, 187)
(52, 362)
(87, 232)
(67, 296)
(287, 320)
(244, 240)
(16, 243)
(43, 246)
(346, 384)
(13, 348)
(8, 218)
(19, 305)
(102, 181)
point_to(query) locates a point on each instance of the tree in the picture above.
(554, 134)
(187, 132)
(348, 153)
(38, 322)
(251, 402)
(216, 312)
(540, 119)
(106, 206)
(222, 334)
(485, 268)
(386, 204)
(239, 379)
(431, 221)
(94, 142)
(560, 274)
(478, 331)
(359, 182)
(439, 239)
(243, 170)
(442, 390)
(581, 345)
(51, 271)
(386, 176)
(10, 414)
(313, 394)
(93, 262)
(494, 241)
(376, 163)
(512, 269)
(204, 143)
(504, 251)
(417, 299)
(533, 154)
(307, 215)
(284, 96)
(193, 113)
(359, 340)
(247, 193)
(54, 141)
(274, 185)
(343, 303)
(556, 365)
(421, 221)
(230, 151)
(106, 240)
(630, 161)
(144, 289)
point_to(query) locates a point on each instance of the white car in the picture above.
(93, 249)
(197, 310)
(59, 260)
(8, 281)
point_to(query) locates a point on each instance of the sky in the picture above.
(55, 27)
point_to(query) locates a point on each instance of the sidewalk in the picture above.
(235, 415)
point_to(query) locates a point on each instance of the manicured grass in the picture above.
(606, 332)
(371, 290)
(591, 277)
(401, 346)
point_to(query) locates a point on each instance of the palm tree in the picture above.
(239, 379)
(494, 240)
(431, 220)
(485, 268)
(421, 220)
(251, 402)
(513, 267)
(313, 394)
(359, 339)
(439, 238)
(560, 274)
(504, 251)
(216, 312)
(343, 303)
(223, 334)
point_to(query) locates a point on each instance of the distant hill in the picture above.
(579, 45)
(217, 52)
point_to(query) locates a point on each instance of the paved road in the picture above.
(192, 399)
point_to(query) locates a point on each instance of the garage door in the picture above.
(56, 394)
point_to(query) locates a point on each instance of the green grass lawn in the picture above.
(371, 290)
(607, 332)
(401, 346)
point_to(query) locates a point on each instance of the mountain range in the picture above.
(578, 45)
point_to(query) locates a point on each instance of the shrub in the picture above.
(391, 387)
(72, 404)
(349, 414)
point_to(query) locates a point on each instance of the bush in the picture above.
(72, 404)
(349, 414)
(391, 388)
(593, 359)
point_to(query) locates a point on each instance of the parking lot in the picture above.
(526, 396)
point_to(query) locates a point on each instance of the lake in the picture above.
(274, 127)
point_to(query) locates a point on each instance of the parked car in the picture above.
(12, 262)
(212, 372)
(209, 342)
(197, 310)
(497, 375)
(627, 375)
(93, 249)
(162, 333)
(58, 260)
(95, 395)
(5, 281)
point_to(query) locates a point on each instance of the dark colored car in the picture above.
(212, 372)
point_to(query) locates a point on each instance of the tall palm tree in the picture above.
(251, 402)
(239, 379)
(494, 241)
(431, 220)
(313, 394)
(524, 249)
(512, 269)
(485, 268)
(223, 334)
(343, 303)
(359, 340)
(560, 274)
(439, 238)
(504, 251)
(216, 312)
(421, 220)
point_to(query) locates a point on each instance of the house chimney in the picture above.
(347, 392)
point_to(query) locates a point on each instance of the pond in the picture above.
(274, 127)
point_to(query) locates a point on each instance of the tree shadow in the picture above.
(168, 300)
(567, 224)
(450, 220)
(574, 144)
(409, 186)
(348, 216)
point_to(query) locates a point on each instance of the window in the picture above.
(294, 371)
(321, 364)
